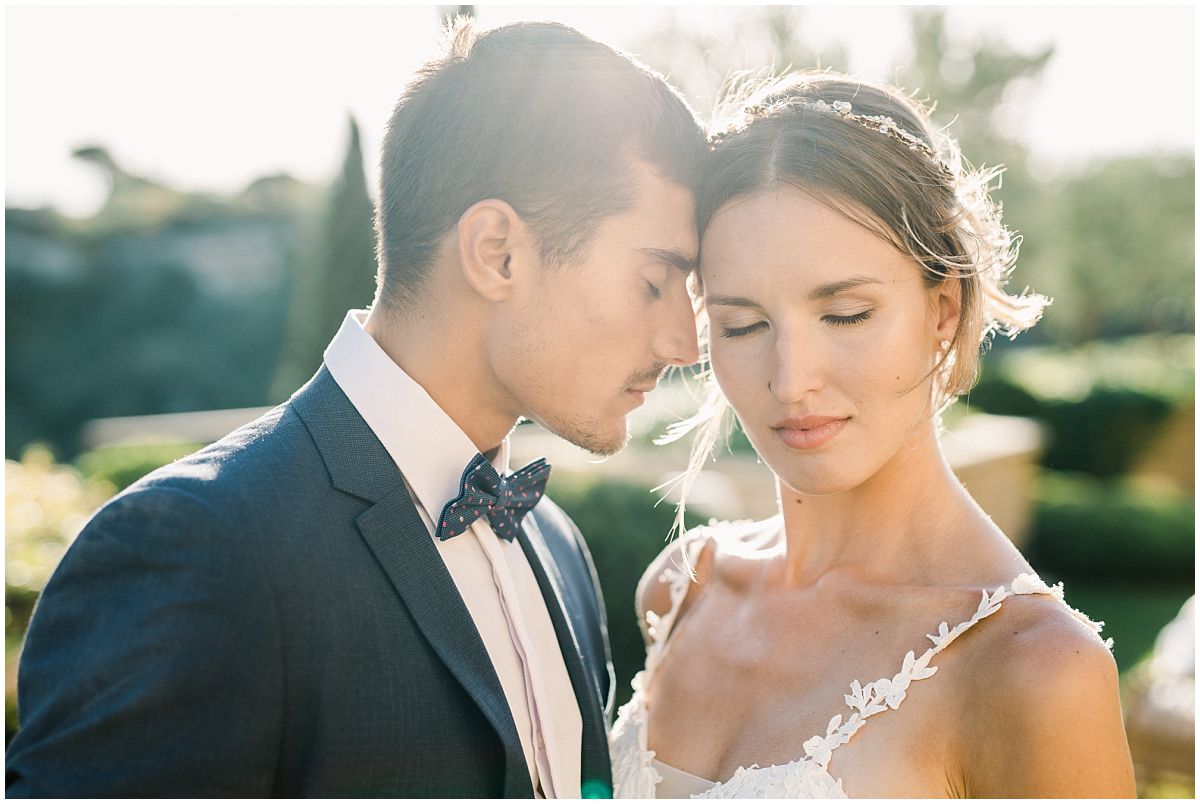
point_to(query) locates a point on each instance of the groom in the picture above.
(356, 595)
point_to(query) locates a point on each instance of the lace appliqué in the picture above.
(807, 777)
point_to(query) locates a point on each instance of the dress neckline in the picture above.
(865, 701)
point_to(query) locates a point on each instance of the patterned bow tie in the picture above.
(504, 500)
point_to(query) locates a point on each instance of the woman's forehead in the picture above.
(791, 240)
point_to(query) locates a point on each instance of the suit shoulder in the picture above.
(253, 465)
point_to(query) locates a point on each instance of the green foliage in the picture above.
(1085, 527)
(1102, 402)
(625, 531)
(111, 322)
(1133, 612)
(1115, 248)
(45, 506)
(122, 465)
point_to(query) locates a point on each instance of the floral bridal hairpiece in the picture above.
(843, 109)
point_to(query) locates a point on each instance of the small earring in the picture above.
(944, 345)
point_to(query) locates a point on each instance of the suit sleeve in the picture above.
(152, 664)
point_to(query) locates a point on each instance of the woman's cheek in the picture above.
(733, 371)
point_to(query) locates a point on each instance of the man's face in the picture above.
(583, 342)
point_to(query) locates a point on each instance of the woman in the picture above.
(851, 270)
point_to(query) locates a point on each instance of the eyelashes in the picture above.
(836, 320)
(737, 332)
(846, 320)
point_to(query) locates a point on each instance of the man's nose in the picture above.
(676, 342)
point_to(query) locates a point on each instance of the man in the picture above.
(353, 596)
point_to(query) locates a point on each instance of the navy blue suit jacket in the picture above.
(270, 617)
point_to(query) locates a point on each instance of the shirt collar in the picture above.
(430, 450)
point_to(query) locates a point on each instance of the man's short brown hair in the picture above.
(535, 114)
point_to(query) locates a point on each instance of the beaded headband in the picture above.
(875, 122)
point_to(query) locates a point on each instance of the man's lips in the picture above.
(809, 432)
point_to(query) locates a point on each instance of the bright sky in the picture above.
(212, 97)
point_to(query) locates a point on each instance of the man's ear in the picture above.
(490, 233)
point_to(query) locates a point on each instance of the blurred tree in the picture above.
(1116, 249)
(340, 277)
(136, 202)
(764, 37)
(162, 302)
(971, 83)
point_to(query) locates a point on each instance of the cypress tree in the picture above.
(339, 275)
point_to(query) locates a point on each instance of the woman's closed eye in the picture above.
(737, 332)
(847, 320)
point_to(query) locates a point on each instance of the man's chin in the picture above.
(598, 440)
(606, 449)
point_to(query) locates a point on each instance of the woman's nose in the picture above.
(797, 370)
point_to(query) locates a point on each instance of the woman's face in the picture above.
(822, 337)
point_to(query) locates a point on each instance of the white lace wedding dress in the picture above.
(637, 774)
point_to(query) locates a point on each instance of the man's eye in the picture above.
(737, 332)
(846, 320)
(654, 291)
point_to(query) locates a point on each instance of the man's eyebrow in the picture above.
(671, 257)
(834, 288)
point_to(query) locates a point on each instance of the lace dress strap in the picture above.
(678, 580)
(868, 700)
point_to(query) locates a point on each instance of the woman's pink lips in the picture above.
(810, 432)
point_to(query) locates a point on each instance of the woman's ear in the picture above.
(947, 309)
(489, 233)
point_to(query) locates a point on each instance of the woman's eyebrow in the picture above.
(731, 301)
(834, 288)
(822, 292)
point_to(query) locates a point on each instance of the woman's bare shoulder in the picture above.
(681, 557)
(693, 555)
(1043, 691)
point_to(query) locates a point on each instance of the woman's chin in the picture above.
(815, 482)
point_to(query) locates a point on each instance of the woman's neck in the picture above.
(900, 525)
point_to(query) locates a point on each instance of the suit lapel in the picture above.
(595, 766)
(402, 545)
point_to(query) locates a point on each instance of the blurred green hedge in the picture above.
(1111, 529)
(123, 465)
(625, 531)
(1102, 402)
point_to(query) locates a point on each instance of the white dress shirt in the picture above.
(492, 575)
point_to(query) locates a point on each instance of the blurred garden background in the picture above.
(140, 305)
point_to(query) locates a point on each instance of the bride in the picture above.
(879, 637)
